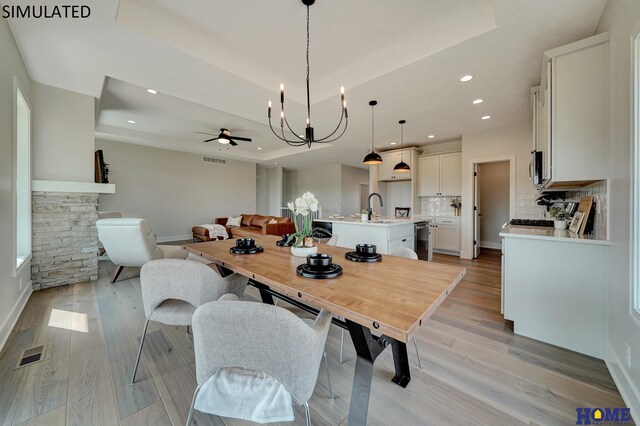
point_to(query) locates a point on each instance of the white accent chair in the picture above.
(246, 348)
(106, 215)
(407, 253)
(172, 289)
(130, 242)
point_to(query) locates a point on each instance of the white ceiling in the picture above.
(216, 64)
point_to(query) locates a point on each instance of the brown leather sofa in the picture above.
(251, 225)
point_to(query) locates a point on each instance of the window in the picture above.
(635, 249)
(22, 178)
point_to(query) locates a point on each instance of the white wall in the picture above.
(262, 190)
(175, 190)
(351, 179)
(323, 181)
(12, 296)
(510, 140)
(274, 186)
(63, 134)
(494, 197)
(622, 18)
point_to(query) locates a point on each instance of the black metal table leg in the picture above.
(401, 361)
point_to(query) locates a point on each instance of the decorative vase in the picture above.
(560, 224)
(456, 211)
(301, 251)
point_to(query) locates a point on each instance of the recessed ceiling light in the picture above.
(393, 143)
(431, 136)
(486, 117)
(152, 91)
(259, 148)
(478, 101)
(131, 121)
(466, 78)
(275, 163)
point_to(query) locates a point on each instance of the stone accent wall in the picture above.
(65, 238)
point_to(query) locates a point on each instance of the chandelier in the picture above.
(308, 138)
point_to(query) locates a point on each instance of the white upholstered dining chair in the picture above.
(130, 242)
(172, 289)
(256, 361)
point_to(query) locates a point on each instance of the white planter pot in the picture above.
(560, 224)
(364, 217)
(303, 251)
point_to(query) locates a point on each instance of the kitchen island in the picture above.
(388, 234)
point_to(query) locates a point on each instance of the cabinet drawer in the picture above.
(448, 221)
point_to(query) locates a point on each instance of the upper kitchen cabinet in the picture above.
(389, 160)
(571, 113)
(440, 175)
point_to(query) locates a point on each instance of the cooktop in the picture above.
(531, 222)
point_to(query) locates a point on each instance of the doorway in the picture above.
(493, 202)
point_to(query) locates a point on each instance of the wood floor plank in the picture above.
(57, 417)
(85, 306)
(46, 383)
(11, 379)
(122, 348)
(155, 415)
(91, 398)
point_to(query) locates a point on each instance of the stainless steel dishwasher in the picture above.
(423, 243)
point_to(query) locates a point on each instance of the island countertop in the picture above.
(383, 221)
(551, 234)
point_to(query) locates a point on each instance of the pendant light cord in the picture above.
(402, 142)
(372, 129)
(308, 97)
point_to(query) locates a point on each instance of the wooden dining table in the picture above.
(383, 303)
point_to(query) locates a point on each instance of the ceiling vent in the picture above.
(214, 160)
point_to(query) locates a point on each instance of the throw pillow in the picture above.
(259, 220)
(272, 221)
(234, 221)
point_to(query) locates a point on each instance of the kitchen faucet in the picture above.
(369, 209)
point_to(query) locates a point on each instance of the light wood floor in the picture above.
(475, 370)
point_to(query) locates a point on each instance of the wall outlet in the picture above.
(627, 354)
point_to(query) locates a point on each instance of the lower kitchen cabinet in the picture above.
(554, 291)
(445, 232)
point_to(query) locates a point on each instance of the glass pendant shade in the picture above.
(372, 158)
(402, 167)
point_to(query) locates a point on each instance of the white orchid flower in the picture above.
(313, 205)
(291, 206)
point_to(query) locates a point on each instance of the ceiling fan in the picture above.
(225, 137)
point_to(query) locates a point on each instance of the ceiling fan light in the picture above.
(372, 158)
(224, 141)
(402, 167)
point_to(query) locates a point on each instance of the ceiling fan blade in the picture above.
(210, 140)
(232, 143)
(206, 133)
(238, 138)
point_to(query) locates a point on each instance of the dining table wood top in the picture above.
(392, 297)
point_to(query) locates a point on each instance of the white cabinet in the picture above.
(571, 115)
(440, 175)
(554, 291)
(389, 160)
(445, 232)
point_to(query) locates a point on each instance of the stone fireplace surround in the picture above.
(64, 234)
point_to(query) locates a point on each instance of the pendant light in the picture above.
(402, 167)
(372, 157)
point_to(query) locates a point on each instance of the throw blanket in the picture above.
(216, 230)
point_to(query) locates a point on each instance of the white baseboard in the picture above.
(487, 244)
(628, 390)
(174, 238)
(11, 320)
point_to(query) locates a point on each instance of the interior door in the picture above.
(476, 210)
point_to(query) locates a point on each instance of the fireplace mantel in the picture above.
(61, 186)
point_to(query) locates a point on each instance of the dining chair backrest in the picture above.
(403, 211)
(333, 241)
(262, 338)
(405, 252)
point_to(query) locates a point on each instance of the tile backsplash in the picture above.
(437, 206)
(526, 206)
(598, 191)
